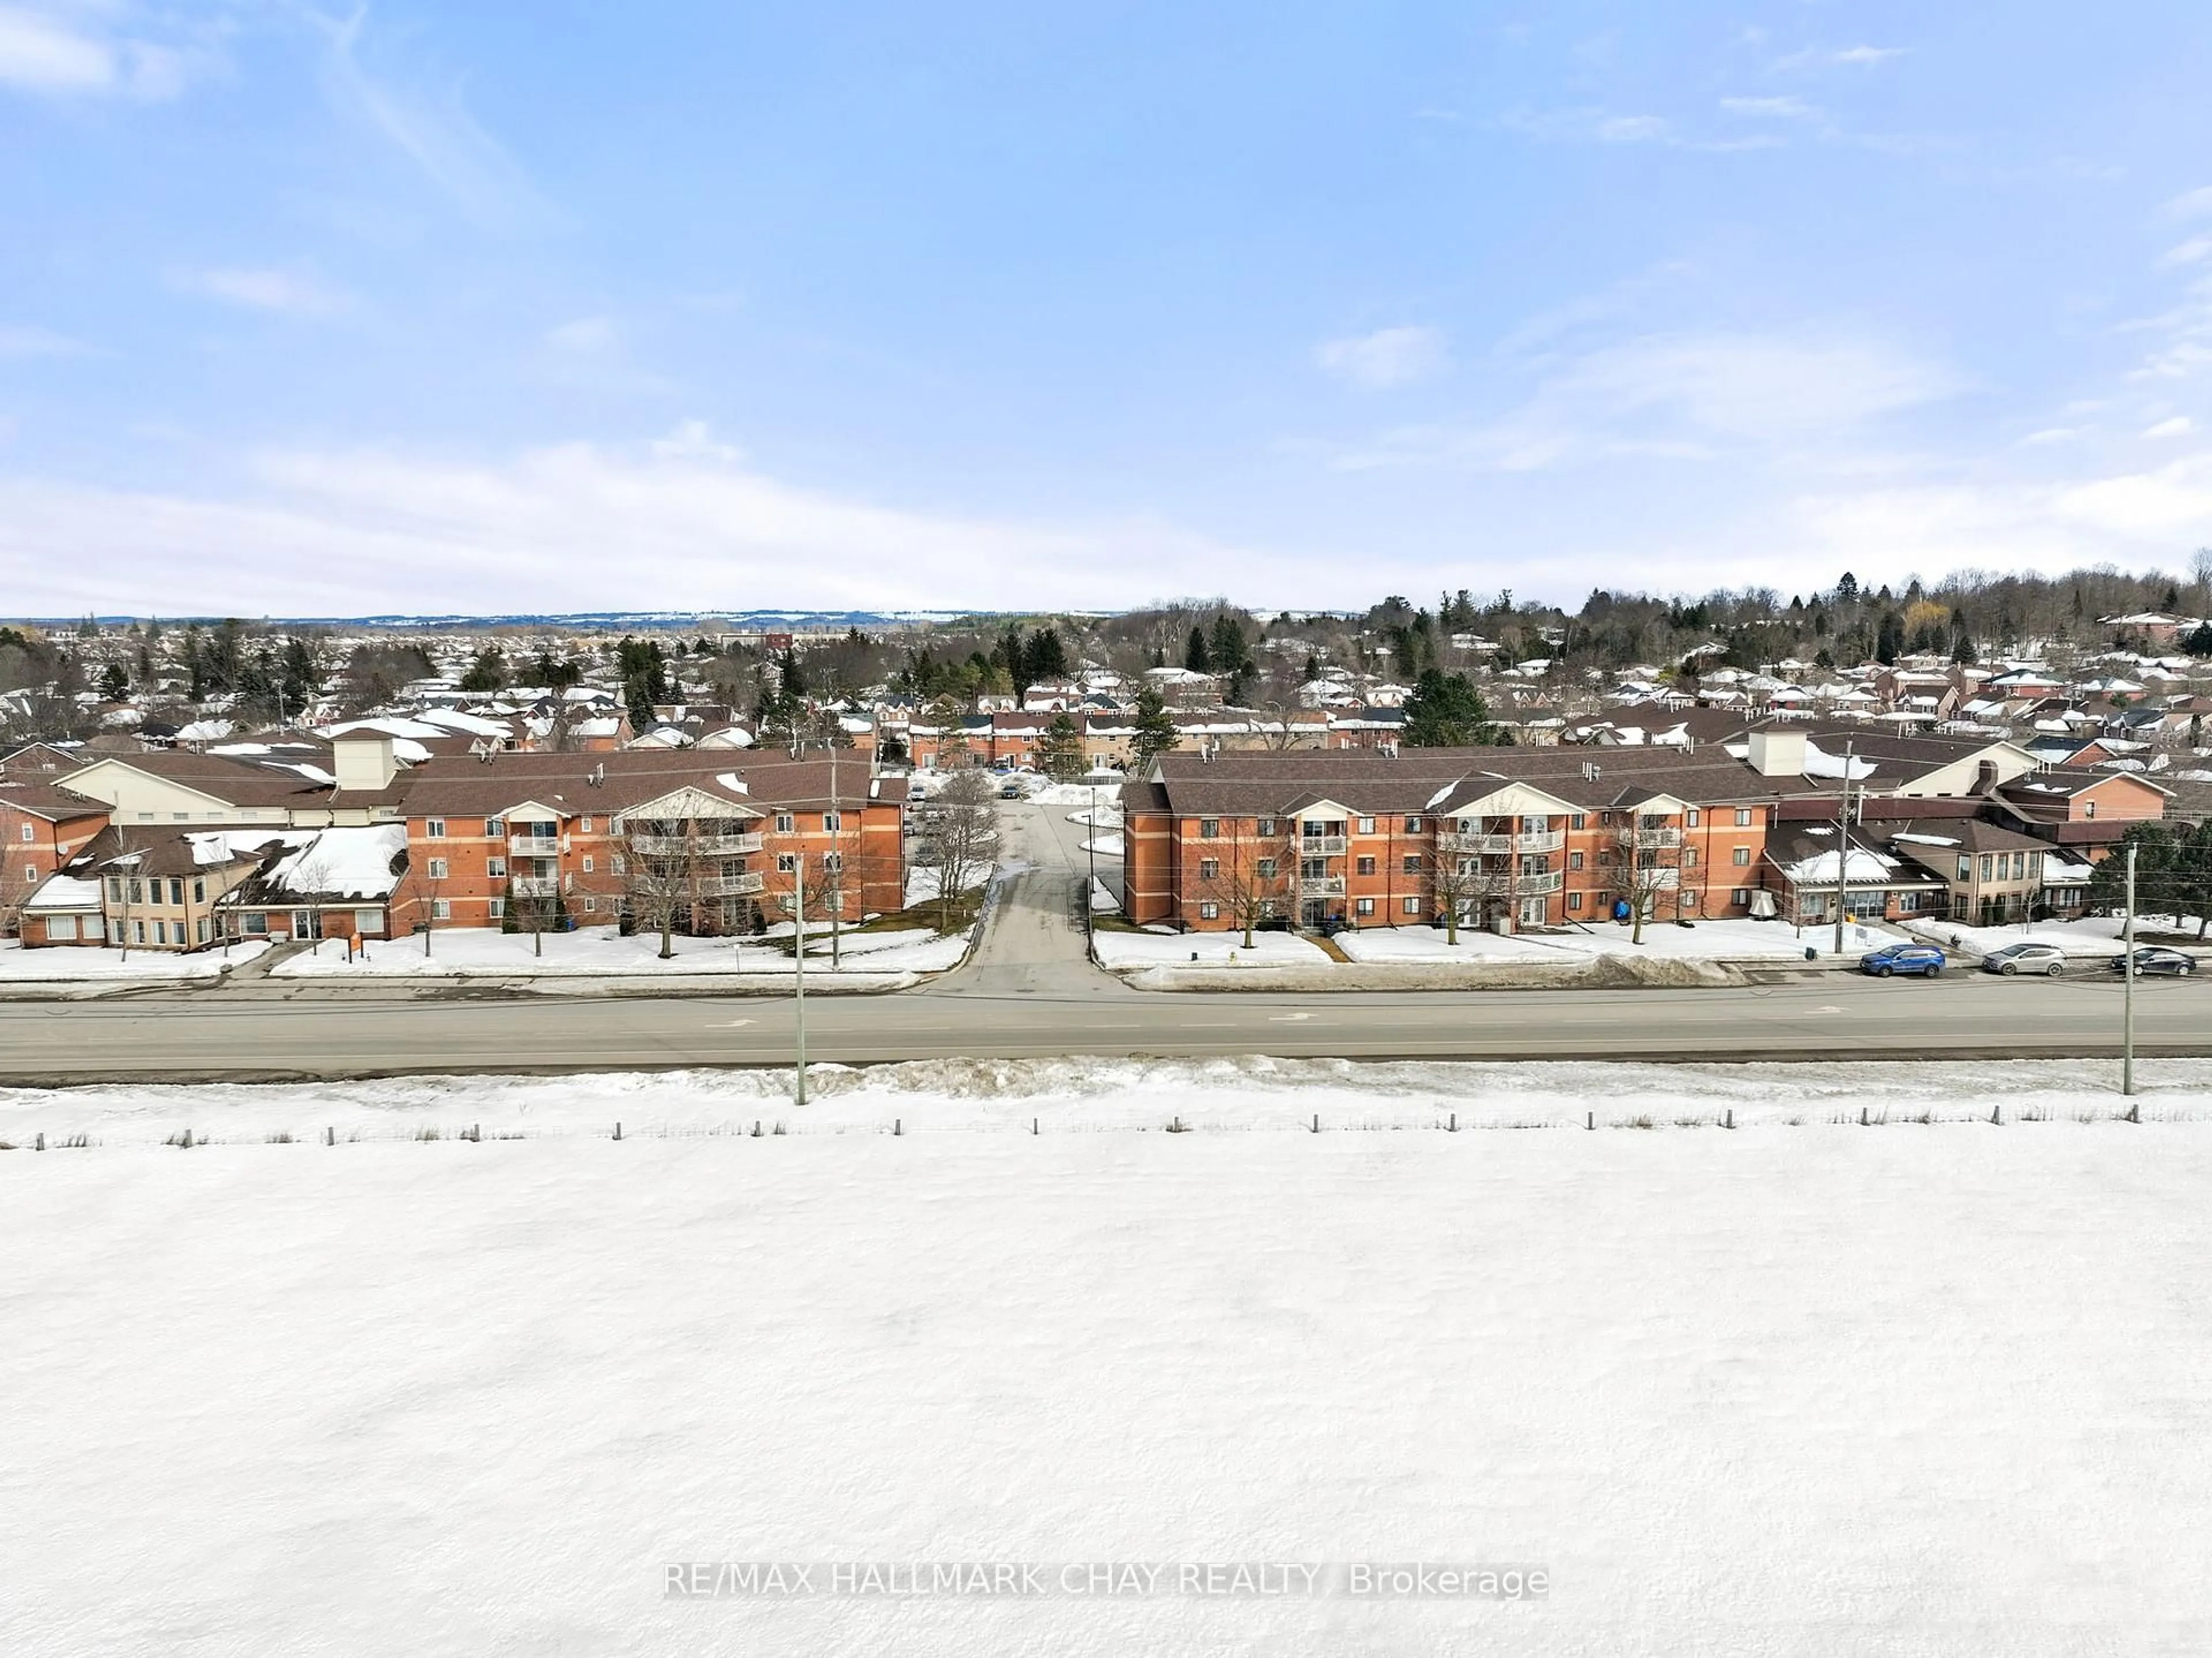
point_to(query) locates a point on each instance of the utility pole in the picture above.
(2128, 996)
(1091, 848)
(837, 884)
(1843, 848)
(798, 981)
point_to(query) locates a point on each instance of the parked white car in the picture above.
(2026, 958)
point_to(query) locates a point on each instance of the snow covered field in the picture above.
(1722, 940)
(1213, 949)
(486, 952)
(69, 963)
(1803, 1390)
(2091, 939)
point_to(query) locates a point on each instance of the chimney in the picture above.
(363, 762)
(1777, 754)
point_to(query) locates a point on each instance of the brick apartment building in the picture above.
(1533, 837)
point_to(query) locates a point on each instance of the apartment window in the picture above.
(1742, 857)
(833, 863)
(1574, 861)
(1367, 866)
(587, 863)
(138, 932)
(1689, 900)
(590, 905)
(1740, 898)
(442, 909)
(785, 823)
(831, 823)
(1580, 820)
(495, 829)
(1689, 858)
(200, 888)
(148, 818)
(30, 873)
(161, 932)
(1574, 901)
(1209, 869)
(2035, 865)
(114, 889)
(615, 825)
(200, 929)
(2020, 867)
(498, 909)
(1209, 828)
(787, 863)
(1367, 826)
(139, 891)
(28, 833)
(1743, 816)
(1413, 863)
(1413, 826)
(1410, 906)
(1266, 869)
(583, 826)
(1690, 817)
(496, 867)
(1966, 866)
(256, 925)
(1266, 828)
(180, 817)
(437, 869)
(1208, 911)
(176, 890)
(435, 828)
(1985, 865)
(1364, 906)
(619, 864)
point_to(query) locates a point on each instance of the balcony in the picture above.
(1540, 841)
(1535, 886)
(1321, 846)
(1498, 846)
(536, 886)
(1660, 839)
(705, 845)
(535, 846)
(728, 886)
(1321, 886)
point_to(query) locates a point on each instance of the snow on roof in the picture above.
(65, 892)
(351, 863)
(1863, 866)
(222, 846)
(1927, 840)
(732, 781)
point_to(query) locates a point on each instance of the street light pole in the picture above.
(798, 981)
(1090, 849)
(2128, 996)
(1843, 849)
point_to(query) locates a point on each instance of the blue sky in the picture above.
(566, 305)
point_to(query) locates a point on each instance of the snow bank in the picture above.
(1727, 940)
(601, 952)
(1140, 949)
(1758, 1393)
(71, 964)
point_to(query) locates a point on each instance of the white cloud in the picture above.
(36, 343)
(1387, 358)
(2191, 252)
(1634, 130)
(2055, 435)
(63, 51)
(682, 523)
(1787, 109)
(287, 293)
(2179, 426)
(2170, 505)
(584, 336)
(2190, 204)
(1848, 57)
(1681, 396)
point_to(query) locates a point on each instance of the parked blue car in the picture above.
(1903, 958)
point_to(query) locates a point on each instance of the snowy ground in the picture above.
(921, 882)
(601, 952)
(1137, 950)
(1723, 940)
(1807, 1390)
(2092, 938)
(66, 962)
(1106, 846)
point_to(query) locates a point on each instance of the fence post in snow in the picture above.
(1727, 1118)
(329, 1136)
(40, 1144)
(1453, 1127)
(1591, 1122)
(617, 1130)
(1997, 1115)
(2132, 1116)
(1316, 1127)
(1863, 1117)
(1033, 1126)
(898, 1126)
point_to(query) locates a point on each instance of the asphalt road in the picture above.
(1029, 993)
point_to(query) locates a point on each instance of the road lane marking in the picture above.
(1288, 1018)
(734, 1024)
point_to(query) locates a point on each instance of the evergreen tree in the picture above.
(1060, 752)
(1155, 733)
(1446, 711)
(487, 670)
(1044, 656)
(114, 682)
(1194, 656)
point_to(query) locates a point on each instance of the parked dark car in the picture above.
(1333, 925)
(2157, 958)
(1010, 791)
(1890, 959)
(2026, 958)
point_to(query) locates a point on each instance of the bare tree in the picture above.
(1251, 878)
(963, 842)
(15, 891)
(423, 889)
(660, 866)
(1649, 853)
